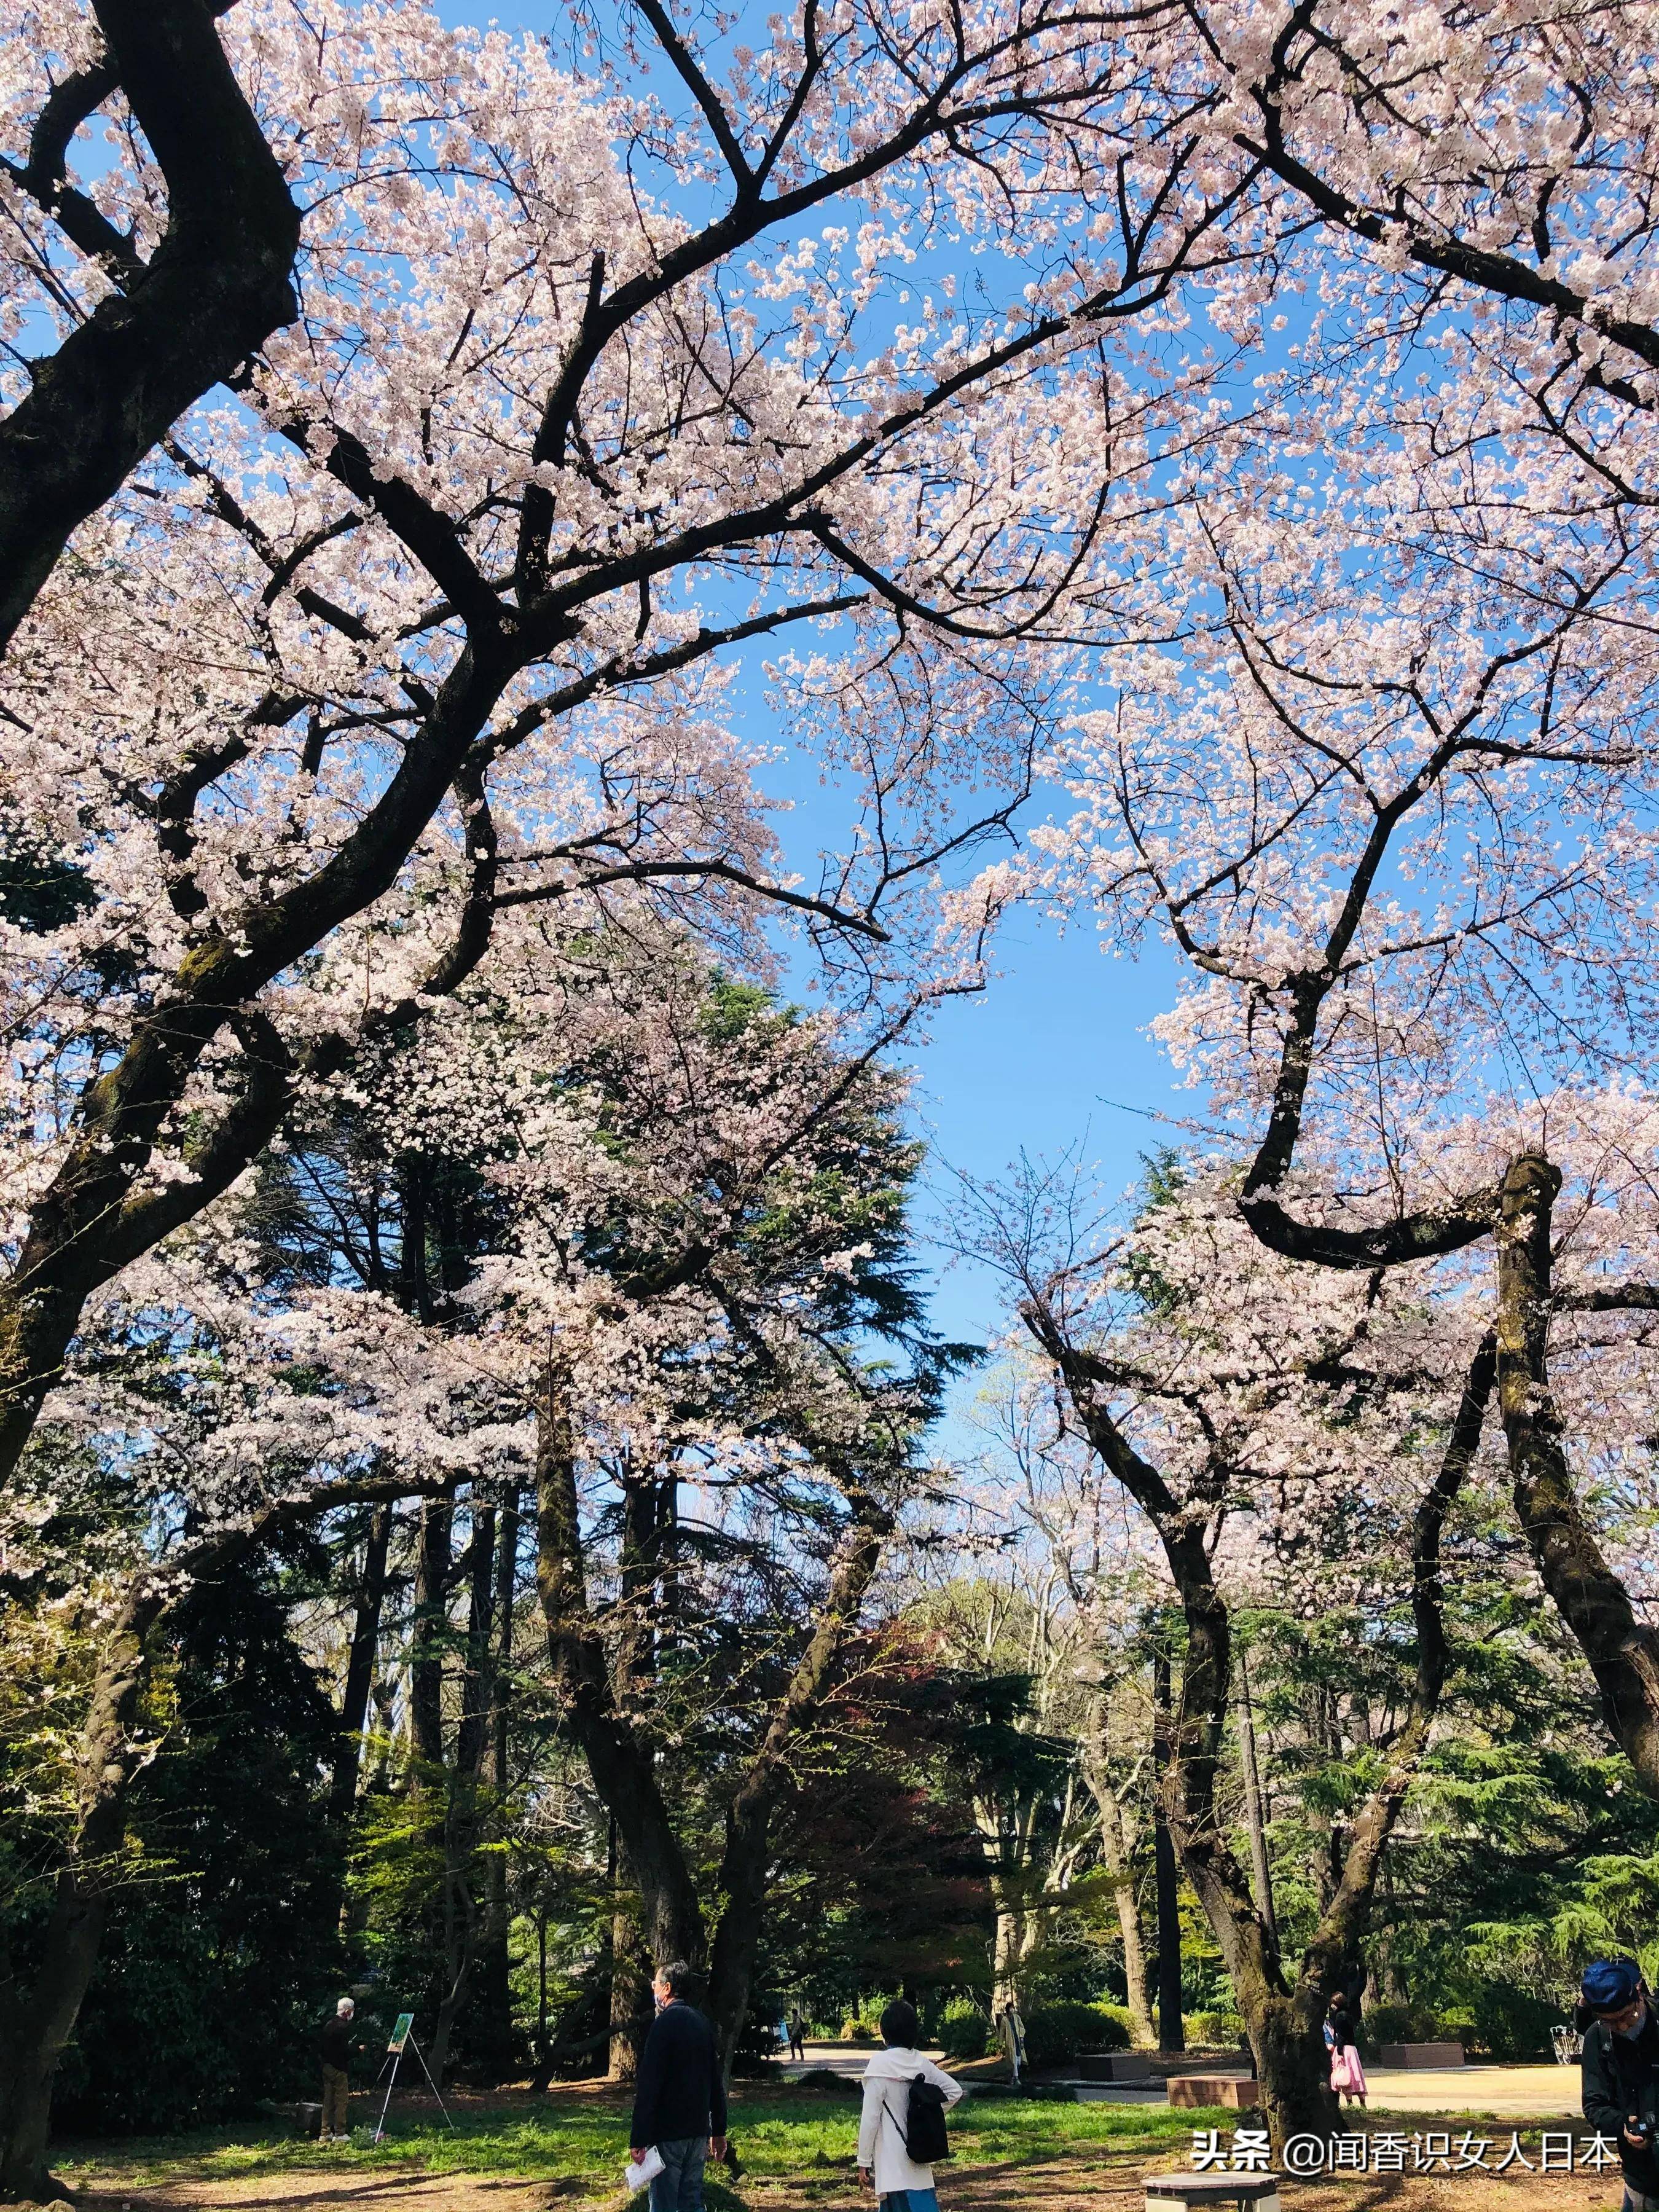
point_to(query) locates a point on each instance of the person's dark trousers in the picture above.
(678, 2187)
(337, 2090)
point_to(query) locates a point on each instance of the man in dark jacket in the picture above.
(679, 2099)
(1621, 2072)
(334, 2042)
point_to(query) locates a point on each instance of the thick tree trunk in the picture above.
(359, 1666)
(1622, 1652)
(630, 1981)
(214, 290)
(1002, 1855)
(1007, 1950)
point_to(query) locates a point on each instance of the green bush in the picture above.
(1506, 2023)
(1215, 2031)
(1055, 2033)
(1400, 2023)
(964, 2031)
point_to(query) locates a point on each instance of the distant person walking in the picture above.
(335, 2042)
(1012, 2030)
(1621, 2073)
(1342, 2041)
(884, 2163)
(679, 2098)
(797, 2027)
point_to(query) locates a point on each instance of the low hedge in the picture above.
(1055, 2033)
(963, 2032)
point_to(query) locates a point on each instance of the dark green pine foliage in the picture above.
(220, 1968)
(39, 890)
(884, 1886)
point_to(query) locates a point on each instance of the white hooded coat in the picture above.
(887, 2081)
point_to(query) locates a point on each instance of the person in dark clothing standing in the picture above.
(679, 2099)
(1342, 2042)
(335, 2042)
(1621, 2072)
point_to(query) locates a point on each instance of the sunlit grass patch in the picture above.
(781, 2134)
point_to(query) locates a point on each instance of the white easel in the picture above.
(402, 2037)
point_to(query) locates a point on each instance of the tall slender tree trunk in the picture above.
(1253, 1812)
(434, 1559)
(359, 1666)
(1623, 1653)
(621, 1765)
(741, 1884)
(673, 1920)
(495, 1968)
(461, 1811)
(1171, 2026)
(1118, 1860)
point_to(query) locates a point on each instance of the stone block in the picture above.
(1114, 2066)
(1235, 2092)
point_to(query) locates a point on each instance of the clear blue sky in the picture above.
(1053, 1055)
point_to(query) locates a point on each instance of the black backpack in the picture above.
(925, 2140)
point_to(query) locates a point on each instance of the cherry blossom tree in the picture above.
(1474, 155)
(1244, 1418)
(150, 314)
(608, 1226)
(422, 623)
(1395, 812)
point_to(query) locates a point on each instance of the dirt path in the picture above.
(1079, 2182)
(321, 2191)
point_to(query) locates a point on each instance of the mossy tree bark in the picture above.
(1623, 1653)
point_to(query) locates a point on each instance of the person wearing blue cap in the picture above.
(1621, 2072)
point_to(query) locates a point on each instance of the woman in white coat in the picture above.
(883, 2163)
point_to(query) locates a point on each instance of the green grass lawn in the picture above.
(780, 2134)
